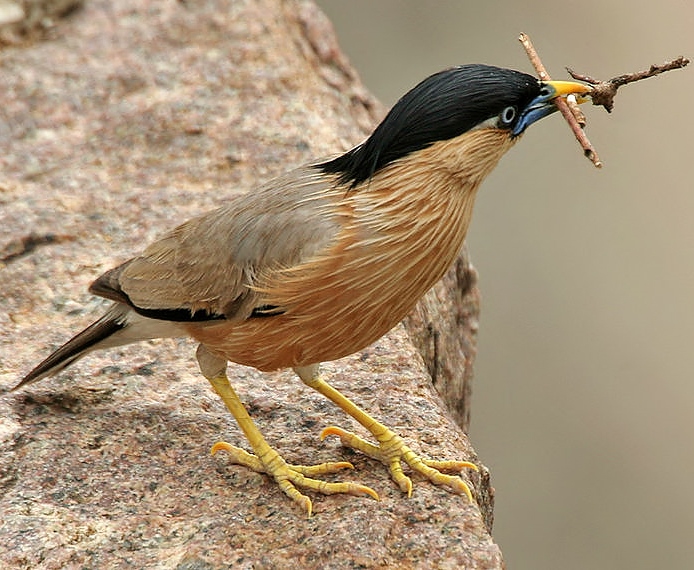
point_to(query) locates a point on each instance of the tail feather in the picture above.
(119, 326)
(79, 345)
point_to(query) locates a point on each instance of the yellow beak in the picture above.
(543, 105)
(564, 88)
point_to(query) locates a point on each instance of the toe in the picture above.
(452, 465)
(321, 469)
(238, 456)
(353, 441)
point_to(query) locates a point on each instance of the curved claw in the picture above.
(402, 480)
(289, 477)
(239, 456)
(392, 452)
(353, 441)
(332, 430)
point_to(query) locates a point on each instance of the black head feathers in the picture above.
(443, 106)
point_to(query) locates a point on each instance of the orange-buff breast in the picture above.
(400, 231)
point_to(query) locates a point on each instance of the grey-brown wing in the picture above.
(203, 269)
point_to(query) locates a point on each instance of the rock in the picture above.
(135, 116)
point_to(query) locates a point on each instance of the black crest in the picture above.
(443, 106)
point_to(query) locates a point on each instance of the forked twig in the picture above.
(601, 93)
(564, 108)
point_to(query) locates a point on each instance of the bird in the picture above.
(323, 260)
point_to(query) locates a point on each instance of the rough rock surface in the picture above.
(133, 116)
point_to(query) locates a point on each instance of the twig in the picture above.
(604, 92)
(576, 110)
(534, 58)
(571, 118)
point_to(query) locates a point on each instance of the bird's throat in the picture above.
(424, 202)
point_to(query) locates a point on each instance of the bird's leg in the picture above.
(391, 449)
(266, 459)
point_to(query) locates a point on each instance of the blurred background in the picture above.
(583, 401)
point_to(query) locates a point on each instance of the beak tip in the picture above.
(564, 88)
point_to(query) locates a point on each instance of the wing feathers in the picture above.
(210, 266)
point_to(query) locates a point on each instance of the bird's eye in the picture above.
(544, 91)
(508, 115)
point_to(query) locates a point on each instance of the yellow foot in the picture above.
(392, 451)
(289, 477)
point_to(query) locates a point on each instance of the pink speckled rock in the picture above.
(133, 116)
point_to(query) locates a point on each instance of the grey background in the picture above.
(583, 397)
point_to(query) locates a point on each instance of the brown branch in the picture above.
(604, 92)
(576, 111)
(575, 120)
(534, 58)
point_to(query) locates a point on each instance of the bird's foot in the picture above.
(392, 451)
(289, 477)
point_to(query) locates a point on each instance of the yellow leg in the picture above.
(267, 460)
(391, 449)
